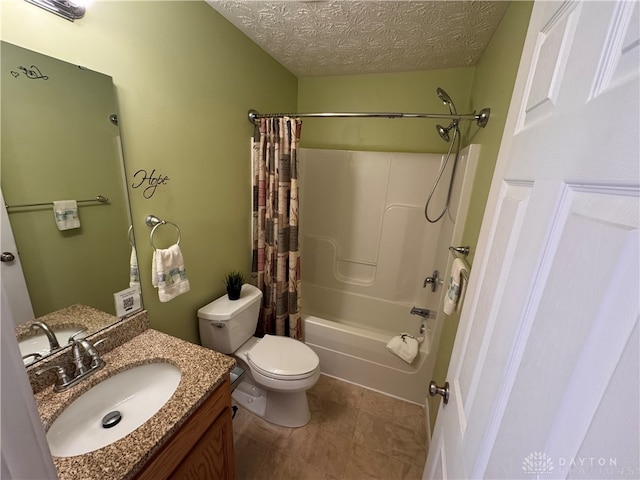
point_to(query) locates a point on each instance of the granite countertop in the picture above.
(76, 316)
(202, 371)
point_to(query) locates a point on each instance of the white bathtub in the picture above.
(360, 356)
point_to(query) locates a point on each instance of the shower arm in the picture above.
(481, 118)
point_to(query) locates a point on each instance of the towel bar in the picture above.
(459, 252)
(98, 198)
(464, 250)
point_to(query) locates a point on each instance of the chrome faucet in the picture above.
(434, 280)
(53, 341)
(423, 312)
(81, 349)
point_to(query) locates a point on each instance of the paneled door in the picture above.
(544, 377)
(15, 300)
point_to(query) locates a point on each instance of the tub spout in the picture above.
(423, 312)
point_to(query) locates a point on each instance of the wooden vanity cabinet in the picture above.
(202, 449)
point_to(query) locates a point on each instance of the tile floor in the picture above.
(354, 433)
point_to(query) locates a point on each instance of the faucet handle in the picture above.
(72, 338)
(35, 355)
(62, 380)
(423, 312)
(92, 351)
(78, 357)
(434, 280)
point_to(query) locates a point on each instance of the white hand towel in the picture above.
(168, 273)
(66, 214)
(405, 346)
(457, 286)
(134, 272)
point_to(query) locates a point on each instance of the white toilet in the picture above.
(281, 369)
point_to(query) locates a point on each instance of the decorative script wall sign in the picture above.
(149, 182)
(32, 73)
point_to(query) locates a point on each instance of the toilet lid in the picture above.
(283, 356)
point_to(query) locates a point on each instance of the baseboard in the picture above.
(427, 425)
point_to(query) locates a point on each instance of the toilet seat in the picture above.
(284, 378)
(283, 358)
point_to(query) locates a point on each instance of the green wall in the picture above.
(495, 75)
(185, 78)
(397, 92)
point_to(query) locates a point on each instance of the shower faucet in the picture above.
(434, 280)
(423, 312)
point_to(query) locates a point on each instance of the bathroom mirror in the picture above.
(60, 141)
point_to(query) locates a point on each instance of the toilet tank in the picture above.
(226, 324)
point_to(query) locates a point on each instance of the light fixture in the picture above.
(63, 8)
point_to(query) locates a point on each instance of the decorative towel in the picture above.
(66, 214)
(457, 287)
(134, 272)
(168, 273)
(405, 346)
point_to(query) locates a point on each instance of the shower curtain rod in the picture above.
(481, 118)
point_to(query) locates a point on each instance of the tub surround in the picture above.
(380, 197)
(357, 299)
(126, 457)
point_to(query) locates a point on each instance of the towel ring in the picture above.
(156, 222)
(164, 222)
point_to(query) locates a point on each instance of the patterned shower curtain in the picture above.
(276, 257)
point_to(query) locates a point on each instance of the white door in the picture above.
(15, 299)
(544, 376)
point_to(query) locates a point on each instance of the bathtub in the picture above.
(360, 356)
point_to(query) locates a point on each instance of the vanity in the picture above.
(190, 436)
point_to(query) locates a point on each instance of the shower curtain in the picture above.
(276, 257)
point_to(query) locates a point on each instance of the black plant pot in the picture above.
(234, 292)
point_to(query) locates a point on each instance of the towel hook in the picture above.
(155, 222)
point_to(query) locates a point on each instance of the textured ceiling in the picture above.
(349, 37)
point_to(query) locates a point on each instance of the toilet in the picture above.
(280, 369)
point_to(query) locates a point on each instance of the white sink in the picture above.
(39, 343)
(137, 394)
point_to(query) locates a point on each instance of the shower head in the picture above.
(446, 99)
(444, 131)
